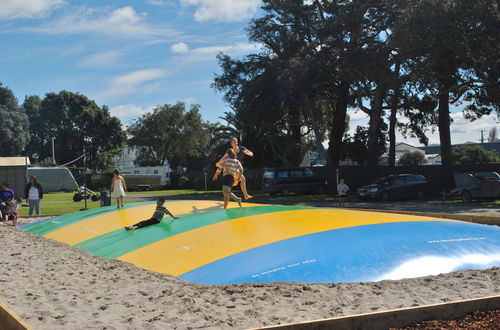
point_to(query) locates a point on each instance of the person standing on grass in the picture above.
(342, 190)
(239, 178)
(231, 167)
(33, 193)
(118, 188)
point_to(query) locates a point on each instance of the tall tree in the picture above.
(14, 124)
(77, 124)
(437, 34)
(169, 132)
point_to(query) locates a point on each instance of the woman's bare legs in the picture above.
(243, 185)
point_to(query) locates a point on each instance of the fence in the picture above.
(439, 177)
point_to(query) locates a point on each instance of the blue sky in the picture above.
(133, 55)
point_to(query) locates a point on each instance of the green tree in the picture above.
(438, 35)
(414, 158)
(169, 132)
(14, 124)
(470, 155)
(77, 124)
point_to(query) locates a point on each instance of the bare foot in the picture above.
(248, 197)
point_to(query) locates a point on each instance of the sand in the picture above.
(55, 286)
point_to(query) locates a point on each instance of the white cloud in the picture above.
(190, 100)
(134, 81)
(103, 59)
(157, 2)
(180, 47)
(223, 10)
(126, 111)
(123, 22)
(203, 54)
(11, 9)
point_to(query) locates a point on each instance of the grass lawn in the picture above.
(63, 207)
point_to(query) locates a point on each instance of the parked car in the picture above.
(479, 185)
(395, 187)
(296, 179)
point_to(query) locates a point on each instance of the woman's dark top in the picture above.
(37, 186)
(240, 154)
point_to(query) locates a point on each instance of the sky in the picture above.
(134, 54)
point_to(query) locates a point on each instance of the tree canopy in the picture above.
(14, 124)
(169, 132)
(471, 155)
(77, 124)
(403, 63)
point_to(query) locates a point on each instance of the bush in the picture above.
(413, 158)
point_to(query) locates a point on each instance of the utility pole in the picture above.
(482, 137)
(84, 179)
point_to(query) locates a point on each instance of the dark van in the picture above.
(296, 179)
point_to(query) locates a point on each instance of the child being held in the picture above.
(160, 211)
(11, 211)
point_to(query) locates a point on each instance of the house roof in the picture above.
(14, 161)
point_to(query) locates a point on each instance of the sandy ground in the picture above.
(55, 286)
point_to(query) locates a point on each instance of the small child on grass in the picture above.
(342, 190)
(160, 211)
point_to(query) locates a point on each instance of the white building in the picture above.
(126, 159)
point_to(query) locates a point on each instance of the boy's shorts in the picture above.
(228, 180)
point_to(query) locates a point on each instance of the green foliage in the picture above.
(470, 155)
(14, 124)
(76, 123)
(356, 147)
(413, 158)
(169, 133)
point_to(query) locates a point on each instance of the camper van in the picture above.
(147, 178)
(53, 178)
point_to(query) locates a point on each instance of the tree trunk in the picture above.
(338, 124)
(374, 129)
(296, 153)
(444, 126)
(393, 117)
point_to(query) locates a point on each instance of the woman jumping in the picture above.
(230, 167)
(241, 152)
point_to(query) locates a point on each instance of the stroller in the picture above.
(85, 193)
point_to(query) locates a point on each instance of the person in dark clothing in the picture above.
(33, 193)
(241, 152)
(160, 211)
(6, 195)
